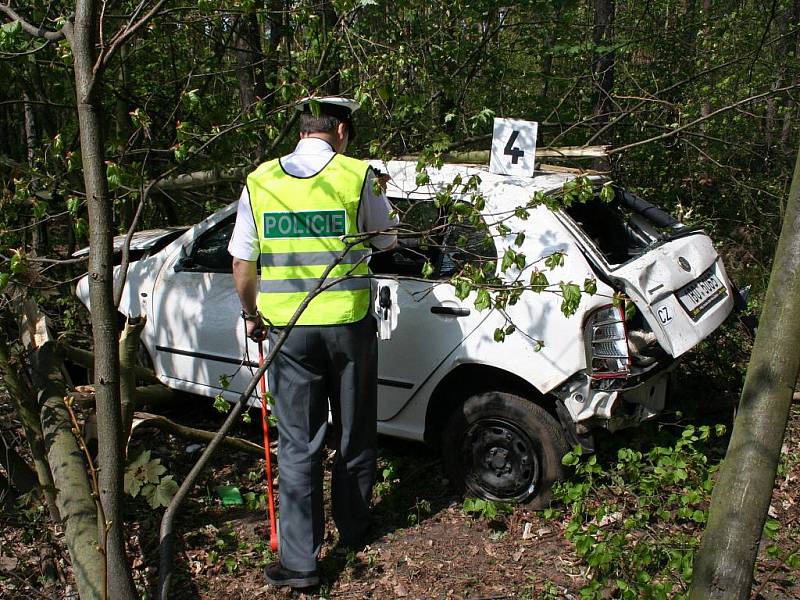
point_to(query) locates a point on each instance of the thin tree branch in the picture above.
(701, 119)
(129, 31)
(32, 29)
(683, 82)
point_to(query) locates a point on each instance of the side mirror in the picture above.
(185, 262)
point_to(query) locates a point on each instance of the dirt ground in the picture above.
(422, 544)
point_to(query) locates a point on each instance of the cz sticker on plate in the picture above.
(702, 294)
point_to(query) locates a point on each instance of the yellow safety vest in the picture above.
(302, 223)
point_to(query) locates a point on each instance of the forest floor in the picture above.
(423, 544)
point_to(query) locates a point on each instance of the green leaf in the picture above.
(607, 193)
(539, 282)
(590, 286)
(509, 258)
(556, 259)
(499, 335)
(12, 28)
(570, 459)
(180, 152)
(131, 485)
(630, 310)
(571, 298)
(520, 239)
(193, 99)
(73, 205)
(221, 404)
(164, 492)
(771, 527)
(427, 269)
(483, 301)
(153, 470)
(18, 263)
(4, 277)
(113, 175)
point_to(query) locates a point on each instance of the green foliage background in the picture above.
(429, 75)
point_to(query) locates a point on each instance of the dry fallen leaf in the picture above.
(8, 563)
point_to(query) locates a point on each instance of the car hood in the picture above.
(141, 240)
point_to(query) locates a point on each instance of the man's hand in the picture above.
(244, 278)
(256, 330)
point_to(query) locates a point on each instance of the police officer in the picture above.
(296, 214)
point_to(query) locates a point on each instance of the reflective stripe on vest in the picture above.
(326, 257)
(304, 225)
(306, 285)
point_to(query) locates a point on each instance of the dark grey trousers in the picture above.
(317, 364)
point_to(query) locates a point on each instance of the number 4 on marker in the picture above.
(509, 150)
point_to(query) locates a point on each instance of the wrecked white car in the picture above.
(503, 413)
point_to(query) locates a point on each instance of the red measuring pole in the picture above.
(273, 524)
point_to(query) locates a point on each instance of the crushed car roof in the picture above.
(141, 240)
(499, 190)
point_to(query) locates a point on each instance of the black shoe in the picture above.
(278, 575)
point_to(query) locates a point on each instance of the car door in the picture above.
(432, 320)
(199, 334)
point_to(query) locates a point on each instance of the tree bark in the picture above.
(111, 455)
(143, 420)
(247, 44)
(724, 565)
(85, 359)
(128, 346)
(705, 107)
(74, 497)
(27, 410)
(332, 82)
(604, 61)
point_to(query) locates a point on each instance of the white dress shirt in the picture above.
(309, 157)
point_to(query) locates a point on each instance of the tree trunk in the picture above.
(272, 60)
(332, 80)
(705, 107)
(111, 455)
(604, 62)
(790, 106)
(552, 38)
(247, 44)
(724, 565)
(27, 410)
(74, 496)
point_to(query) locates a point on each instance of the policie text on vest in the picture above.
(311, 223)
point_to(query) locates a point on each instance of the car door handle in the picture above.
(447, 310)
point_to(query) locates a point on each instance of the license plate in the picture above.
(701, 294)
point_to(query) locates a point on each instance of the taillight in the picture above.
(607, 343)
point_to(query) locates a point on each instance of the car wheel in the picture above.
(505, 448)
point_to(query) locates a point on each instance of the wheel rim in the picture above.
(501, 462)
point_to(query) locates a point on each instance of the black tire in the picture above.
(502, 447)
